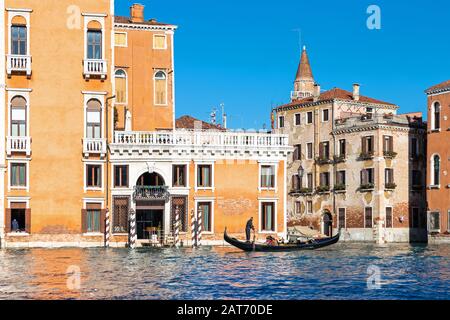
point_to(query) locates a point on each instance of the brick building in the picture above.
(438, 156)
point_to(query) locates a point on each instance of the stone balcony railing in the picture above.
(200, 141)
(94, 146)
(18, 63)
(18, 144)
(95, 68)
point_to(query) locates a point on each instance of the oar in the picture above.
(254, 240)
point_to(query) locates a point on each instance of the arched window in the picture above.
(436, 168)
(19, 39)
(18, 117)
(436, 117)
(160, 88)
(94, 119)
(94, 41)
(121, 86)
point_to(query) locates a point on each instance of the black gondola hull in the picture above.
(250, 246)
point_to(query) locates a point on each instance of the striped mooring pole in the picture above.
(193, 229)
(133, 236)
(199, 226)
(177, 226)
(107, 228)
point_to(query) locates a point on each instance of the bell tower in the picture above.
(304, 80)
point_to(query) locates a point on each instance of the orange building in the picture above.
(90, 137)
(438, 191)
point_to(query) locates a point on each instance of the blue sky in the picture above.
(245, 53)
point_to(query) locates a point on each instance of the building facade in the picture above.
(91, 137)
(356, 166)
(438, 191)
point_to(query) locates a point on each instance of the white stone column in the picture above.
(2, 121)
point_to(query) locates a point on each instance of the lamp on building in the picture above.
(300, 172)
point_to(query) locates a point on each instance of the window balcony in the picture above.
(151, 193)
(94, 146)
(95, 68)
(18, 144)
(18, 63)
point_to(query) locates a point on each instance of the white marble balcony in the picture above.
(95, 68)
(18, 144)
(18, 63)
(216, 142)
(94, 146)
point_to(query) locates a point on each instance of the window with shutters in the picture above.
(309, 117)
(121, 87)
(296, 182)
(281, 122)
(204, 176)
(324, 183)
(18, 220)
(367, 178)
(342, 148)
(297, 152)
(325, 115)
(309, 207)
(310, 181)
(389, 217)
(207, 216)
(309, 148)
(368, 221)
(324, 151)
(389, 178)
(388, 147)
(367, 147)
(160, 80)
(121, 208)
(340, 181)
(298, 207)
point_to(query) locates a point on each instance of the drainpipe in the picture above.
(107, 150)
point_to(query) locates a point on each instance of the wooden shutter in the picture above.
(364, 145)
(321, 150)
(364, 176)
(28, 220)
(7, 220)
(83, 220)
(103, 220)
(391, 143)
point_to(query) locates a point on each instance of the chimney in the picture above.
(137, 12)
(316, 92)
(356, 92)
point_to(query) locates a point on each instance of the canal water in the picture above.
(343, 271)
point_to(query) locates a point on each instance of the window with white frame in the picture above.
(18, 117)
(325, 115)
(93, 176)
(281, 122)
(267, 176)
(204, 176)
(120, 39)
(160, 80)
(93, 119)
(19, 39)
(389, 217)
(309, 117)
(121, 86)
(436, 116)
(206, 209)
(436, 170)
(434, 221)
(159, 42)
(268, 216)
(94, 43)
(18, 175)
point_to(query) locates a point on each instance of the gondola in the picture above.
(309, 245)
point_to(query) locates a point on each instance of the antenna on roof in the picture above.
(213, 116)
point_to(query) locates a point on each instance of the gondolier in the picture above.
(248, 228)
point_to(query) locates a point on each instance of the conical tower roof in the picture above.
(304, 71)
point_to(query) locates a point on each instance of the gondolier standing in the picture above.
(248, 228)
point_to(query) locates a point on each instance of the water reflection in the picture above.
(339, 272)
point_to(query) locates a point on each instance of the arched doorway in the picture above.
(150, 195)
(327, 224)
